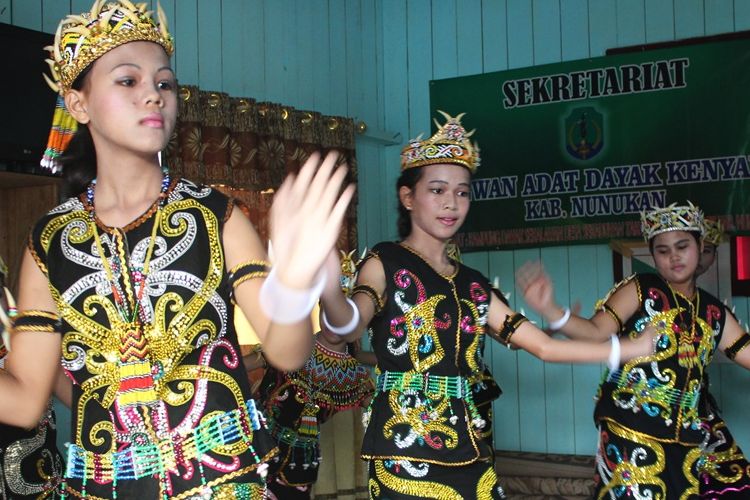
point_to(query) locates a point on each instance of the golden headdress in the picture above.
(349, 269)
(82, 39)
(714, 231)
(450, 144)
(672, 218)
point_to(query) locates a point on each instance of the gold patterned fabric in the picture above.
(630, 464)
(161, 404)
(403, 480)
(724, 472)
(654, 403)
(428, 341)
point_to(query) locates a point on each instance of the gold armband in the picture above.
(377, 301)
(510, 325)
(245, 271)
(608, 309)
(733, 350)
(37, 321)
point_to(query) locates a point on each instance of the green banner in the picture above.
(572, 152)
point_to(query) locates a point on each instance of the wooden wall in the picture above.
(372, 60)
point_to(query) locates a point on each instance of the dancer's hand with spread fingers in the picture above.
(306, 218)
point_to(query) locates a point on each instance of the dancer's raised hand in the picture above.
(306, 218)
(536, 287)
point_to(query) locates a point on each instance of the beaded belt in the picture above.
(290, 436)
(139, 461)
(434, 385)
(642, 389)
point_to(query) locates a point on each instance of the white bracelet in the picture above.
(284, 305)
(613, 363)
(349, 327)
(557, 324)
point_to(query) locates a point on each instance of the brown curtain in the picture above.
(246, 148)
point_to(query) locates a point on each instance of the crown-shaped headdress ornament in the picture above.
(672, 218)
(450, 144)
(3, 268)
(349, 269)
(82, 39)
(714, 231)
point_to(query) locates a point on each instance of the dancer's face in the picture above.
(708, 256)
(128, 100)
(676, 254)
(439, 202)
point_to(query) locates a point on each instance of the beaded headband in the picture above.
(672, 218)
(82, 39)
(714, 231)
(450, 144)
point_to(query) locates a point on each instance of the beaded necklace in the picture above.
(449, 275)
(133, 275)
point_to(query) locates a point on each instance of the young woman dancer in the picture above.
(428, 315)
(723, 470)
(650, 419)
(133, 280)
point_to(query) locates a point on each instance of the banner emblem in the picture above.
(584, 137)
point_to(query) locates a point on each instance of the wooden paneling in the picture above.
(23, 199)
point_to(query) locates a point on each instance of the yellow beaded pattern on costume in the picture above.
(486, 485)
(629, 472)
(418, 326)
(425, 418)
(665, 394)
(473, 354)
(413, 487)
(600, 303)
(180, 344)
(688, 466)
(711, 459)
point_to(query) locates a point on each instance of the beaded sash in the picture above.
(432, 385)
(226, 429)
(634, 383)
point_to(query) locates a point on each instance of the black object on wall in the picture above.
(27, 102)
